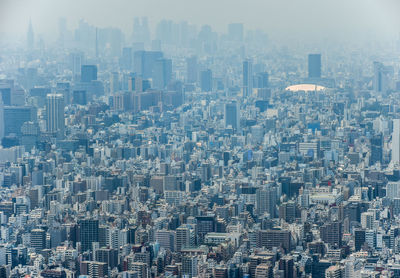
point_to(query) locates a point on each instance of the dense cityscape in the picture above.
(181, 151)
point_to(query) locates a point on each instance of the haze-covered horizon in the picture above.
(286, 19)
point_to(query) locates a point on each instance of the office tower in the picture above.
(206, 80)
(2, 122)
(205, 224)
(191, 69)
(79, 97)
(88, 73)
(247, 78)
(76, 60)
(359, 239)
(62, 30)
(127, 59)
(396, 142)
(332, 233)
(89, 233)
(287, 211)
(144, 61)
(383, 76)
(3, 271)
(108, 256)
(114, 82)
(189, 266)
(55, 114)
(367, 220)
(231, 115)
(29, 135)
(38, 239)
(235, 32)
(314, 65)
(262, 79)
(393, 190)
(376, 149)
(287, 265)
(15, 117)
(30, 37)
(162, 74)
(266, 201)
(184, 237)
(6, 90)
(166, 239)
(274, 238)
(141, 31)
(64, 88)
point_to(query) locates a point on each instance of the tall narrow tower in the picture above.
(30, 42)
(247, 78)
(55, 114)
(396, 142)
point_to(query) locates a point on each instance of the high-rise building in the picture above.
(89, 233)
(206, 80)
(287, 265)
(185, 237)
(359, 239)
(274, 238)
(235, 32)
(266, 201)
(144, 62)
(30, 37)
(382, 77)
(127, 59)
(314, 65)
(262, 79)
(38, 239)
(332, 233)
(191, 69)
(231, 115)
(205, 224)
(247, 78)
(396, 142)
(162, 74)
(88, 73)
(15, 117)
(108, 256)
(55, 114)
(189, 266)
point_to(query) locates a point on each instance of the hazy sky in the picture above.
(301, 18)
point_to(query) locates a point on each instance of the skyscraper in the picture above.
(89, 233)
(262, 80)
(235, 32)
(231, 114)
(314, 65)
(189, 266)
(38, 239)
(382, 77)
(206, 80)
(162, 73)
(191, 69)
(88, 73)
(247, 78)
(55, 114)
(266, 201)
(30, 37)
(15, 117)
(396, 142)
(127, 58)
